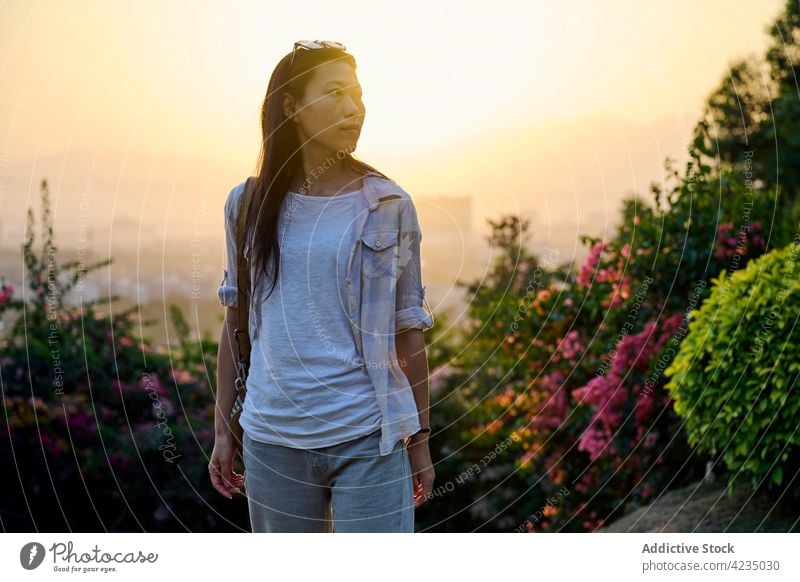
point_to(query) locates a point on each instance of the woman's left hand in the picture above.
(421, 468)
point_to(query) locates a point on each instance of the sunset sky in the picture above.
(147, 112)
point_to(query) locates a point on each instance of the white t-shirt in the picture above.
(307, 387)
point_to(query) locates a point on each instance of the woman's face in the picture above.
(331, 112)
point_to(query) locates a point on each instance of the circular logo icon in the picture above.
(31, 555)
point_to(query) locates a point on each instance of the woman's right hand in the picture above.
(223, 477)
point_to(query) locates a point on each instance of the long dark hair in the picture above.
(280, 158)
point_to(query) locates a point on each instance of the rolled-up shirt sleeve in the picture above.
(410, 311)
(228, 290)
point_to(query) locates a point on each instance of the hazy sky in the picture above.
(147, 112)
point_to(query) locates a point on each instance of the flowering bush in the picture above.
(101, 430)
(612, 392)
(605, 266)
(569, 404)
(606, 435)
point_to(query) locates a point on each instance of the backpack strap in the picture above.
(243, 276)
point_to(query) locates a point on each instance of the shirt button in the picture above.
(378, 243)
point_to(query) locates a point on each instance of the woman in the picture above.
(336, 415)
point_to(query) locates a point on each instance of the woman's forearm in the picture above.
(226, 374)
(412, 359)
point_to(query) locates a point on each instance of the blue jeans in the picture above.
(348, 487)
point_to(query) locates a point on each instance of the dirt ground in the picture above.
(705, 507)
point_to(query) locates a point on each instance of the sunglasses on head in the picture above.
(316, 44)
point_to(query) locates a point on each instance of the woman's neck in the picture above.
(325, 177)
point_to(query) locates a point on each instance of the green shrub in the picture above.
(735, 376)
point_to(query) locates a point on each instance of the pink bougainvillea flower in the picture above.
(594, 440)
(590, 264)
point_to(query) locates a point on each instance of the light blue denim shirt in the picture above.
(385, 293)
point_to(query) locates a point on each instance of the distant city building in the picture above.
(451, 248)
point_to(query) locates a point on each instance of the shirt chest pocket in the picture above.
(379, 253)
